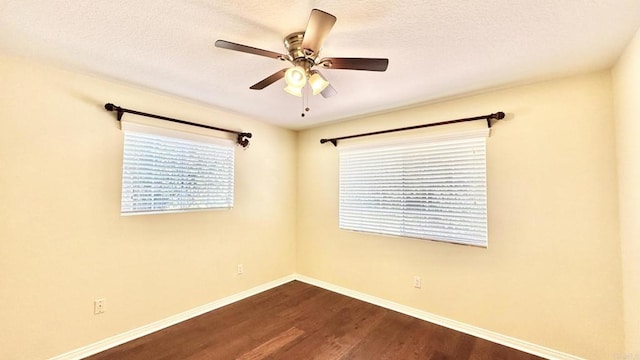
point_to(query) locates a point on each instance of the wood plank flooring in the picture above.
(301, 321)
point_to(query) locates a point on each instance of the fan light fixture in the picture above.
(297, 77)
(317, 82)
(293, 90)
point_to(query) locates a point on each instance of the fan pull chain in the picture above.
(305, 101)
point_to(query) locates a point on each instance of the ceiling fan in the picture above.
(303, 48)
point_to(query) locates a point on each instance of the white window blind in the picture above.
(170, 171)
(433, 189)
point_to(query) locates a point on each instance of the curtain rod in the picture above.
(242, 139)
(495, 116)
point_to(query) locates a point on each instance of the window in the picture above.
(171, 171)
(431, 189)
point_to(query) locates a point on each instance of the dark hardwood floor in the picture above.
(301, 321)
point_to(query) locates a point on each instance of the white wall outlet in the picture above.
(417, 282)
(240, 269)
(98, 306)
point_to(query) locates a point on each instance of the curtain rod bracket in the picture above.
(496, 116)
(117, 109)
(242, 138)
(333, 141)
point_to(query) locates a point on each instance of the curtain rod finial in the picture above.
(111, 107)
(243, 140)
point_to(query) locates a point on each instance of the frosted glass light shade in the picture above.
(295, 77)
(295, 91)
(317, 82)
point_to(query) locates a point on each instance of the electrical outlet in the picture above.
(417, 282)
(98, 306)
(240, 269)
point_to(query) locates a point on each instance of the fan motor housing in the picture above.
(293, 44)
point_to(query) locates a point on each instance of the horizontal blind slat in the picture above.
(434, 190)
(162, 174)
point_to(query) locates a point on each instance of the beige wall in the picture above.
(63, 242)
(551, 274)
(626, 80)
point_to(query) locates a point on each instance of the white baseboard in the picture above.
(439, 320)
(164, 323)
(511, 342)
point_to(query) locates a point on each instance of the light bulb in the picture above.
(296, 77)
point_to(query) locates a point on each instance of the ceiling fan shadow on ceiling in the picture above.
(303, 48)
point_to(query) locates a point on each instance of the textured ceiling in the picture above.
(436, 49)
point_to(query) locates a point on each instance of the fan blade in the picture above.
(249, 49)
(369, 64)
(318, 27)
(328, 92)
(269, 80)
